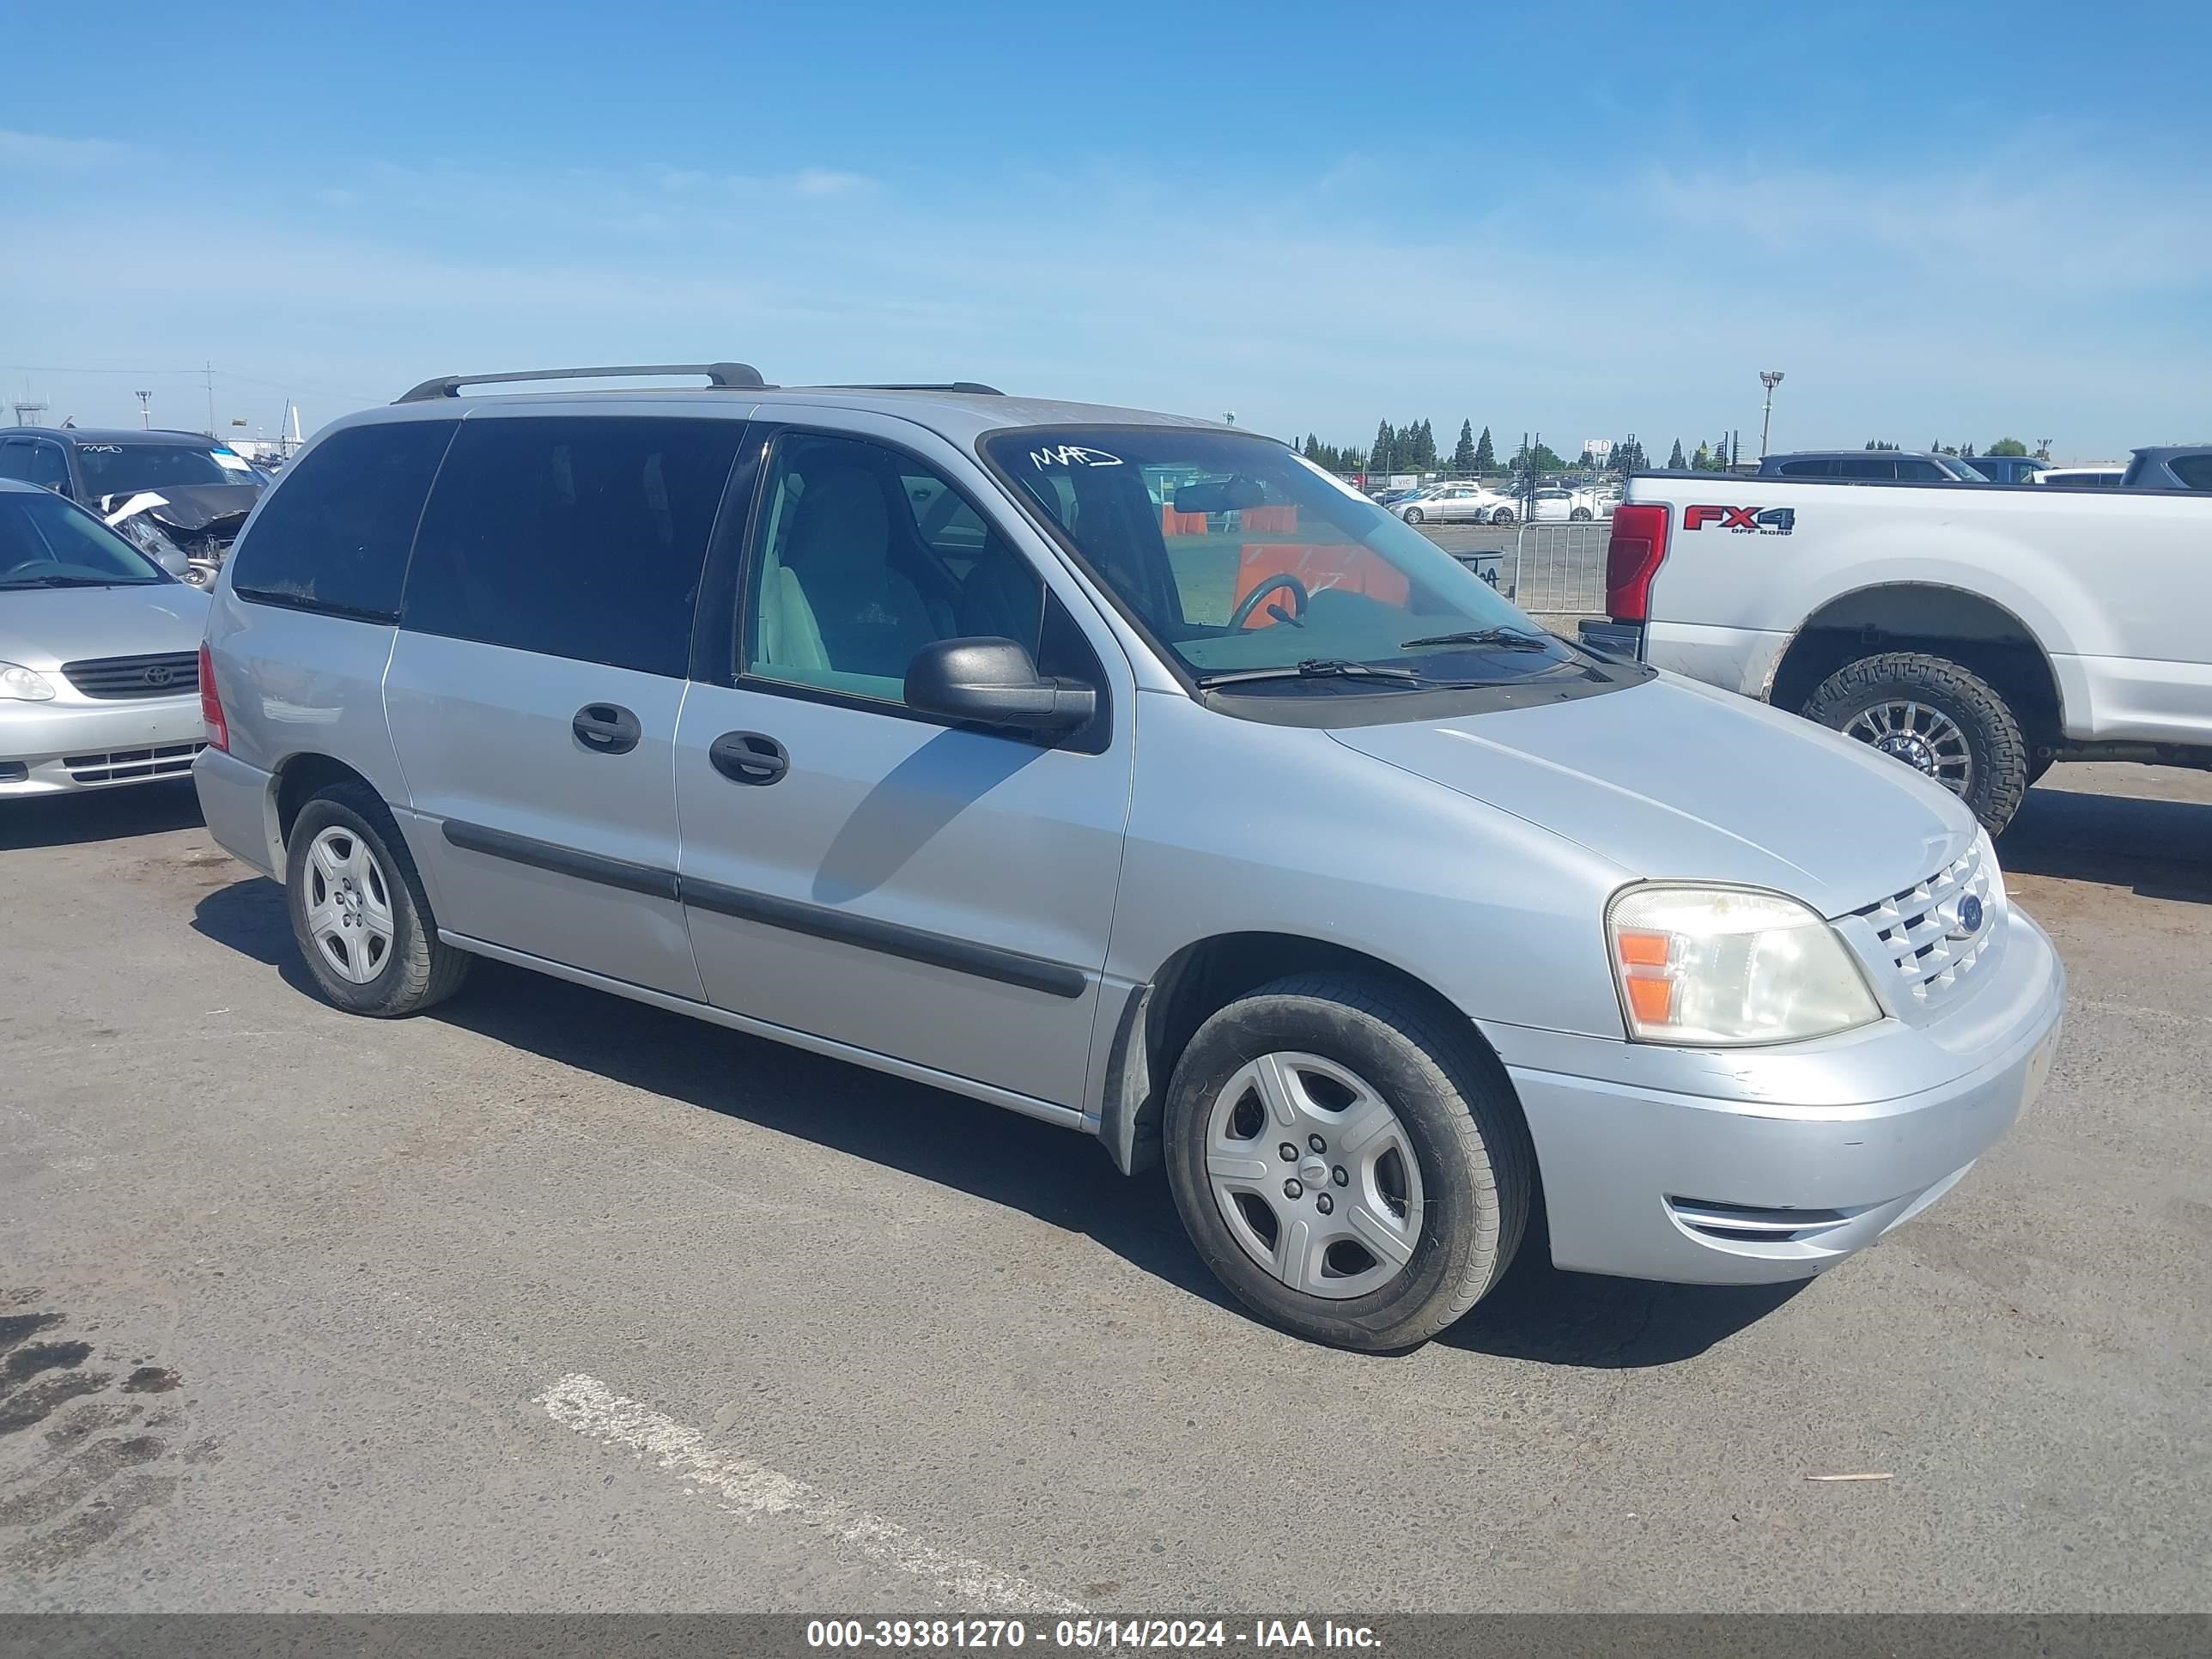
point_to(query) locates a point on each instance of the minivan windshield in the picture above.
(47, 543)
(114, 469)
(1261, 574)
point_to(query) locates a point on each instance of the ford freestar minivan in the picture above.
(1128, 772)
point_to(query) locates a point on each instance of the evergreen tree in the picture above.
(1486, 457)
(1384, 455)
(1674, 461)
(1703, 460)
(1966, 452)
(1462, 457)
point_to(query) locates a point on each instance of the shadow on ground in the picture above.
(2155, 848)
(1538, 1314)
(143, 808)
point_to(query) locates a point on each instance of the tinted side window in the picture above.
(34, 462)
(1921, 471)
(334, 535)
(572, 536)
(1807, 469)
(1868, 469)
(2193, 471)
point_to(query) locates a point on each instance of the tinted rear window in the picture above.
(334, 536)
(2194, 471)
(572, 537)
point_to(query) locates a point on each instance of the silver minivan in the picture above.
(1128, 772)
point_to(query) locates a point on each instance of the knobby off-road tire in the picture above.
(1856, 698)
(1472, 1175)
(346, 856)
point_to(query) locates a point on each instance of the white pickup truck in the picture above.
(1980, 632)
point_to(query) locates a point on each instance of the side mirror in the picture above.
(994, 682)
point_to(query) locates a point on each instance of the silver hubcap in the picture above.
(1315, 1175)
(1923, 737)
(349, 906)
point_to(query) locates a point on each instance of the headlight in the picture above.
(22, 685)
(1723, 966)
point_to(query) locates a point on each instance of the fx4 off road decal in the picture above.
(1743, 520)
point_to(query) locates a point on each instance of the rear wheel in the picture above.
(1938, 717)
(1580, 515)
(359, 913)
(1345, 1164)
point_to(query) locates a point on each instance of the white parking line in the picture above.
(751, 1490)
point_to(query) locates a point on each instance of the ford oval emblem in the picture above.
(1969, 917)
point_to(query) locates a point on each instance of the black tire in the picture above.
(1998, 750)
(1580, 515)
(1476, 1167)
(1414, 515)
(1504, 515)
(419, 970)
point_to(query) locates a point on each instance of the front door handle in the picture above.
(749, 757)
(606, 728)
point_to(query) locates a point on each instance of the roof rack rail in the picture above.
(741, 376)
(975, 386)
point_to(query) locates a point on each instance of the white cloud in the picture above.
(40, 149)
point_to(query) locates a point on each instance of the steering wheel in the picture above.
(1250, 602)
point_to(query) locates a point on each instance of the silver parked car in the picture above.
(98, 653)
(903, 725)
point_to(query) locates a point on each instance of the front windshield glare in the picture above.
(47, 543)
(1252, 558)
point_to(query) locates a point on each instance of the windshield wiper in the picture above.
(1313, 668)
(1508, 639)
(62, 581)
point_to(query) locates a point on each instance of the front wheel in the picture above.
(1414, 515)
(1346, 1163)
(1504, 515)
(1938, 717)
(359, 913)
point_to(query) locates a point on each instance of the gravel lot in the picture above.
(551, 1300)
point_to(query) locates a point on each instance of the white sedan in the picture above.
(1554, 506)
(1459, 502)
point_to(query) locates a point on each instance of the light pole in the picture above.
(1769, 378)
(145, 409)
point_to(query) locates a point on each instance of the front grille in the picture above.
(164, 674)
(1916, 927)
(121, 765)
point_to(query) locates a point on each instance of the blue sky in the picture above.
(1941, 223)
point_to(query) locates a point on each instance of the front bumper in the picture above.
(52, 748)
(1722, 1179)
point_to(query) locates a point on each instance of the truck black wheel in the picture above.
(1938, 717)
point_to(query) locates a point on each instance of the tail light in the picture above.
(1632, 558)
(218, 729)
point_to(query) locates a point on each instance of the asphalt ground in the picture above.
(550, 1300)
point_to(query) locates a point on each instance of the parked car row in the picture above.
(2169, 467)
(1462, 502)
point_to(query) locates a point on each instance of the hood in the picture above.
(192, 506)
(1674, 779)
(44, 627)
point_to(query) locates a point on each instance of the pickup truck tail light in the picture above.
(1632, 558)
(218, 728)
